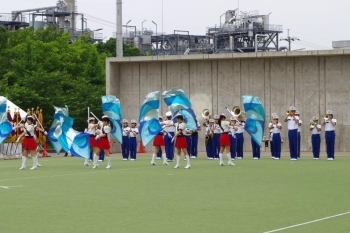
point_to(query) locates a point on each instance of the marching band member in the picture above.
(297, 113)
(194, 141)
(102, 141)
(240, 137)
(29, 144)
(275, 126)
(216, 139)
(255, 149)
(134, 131)
(169, 128)
(180, 141)
(158, 144)
(329, 122)
(232, 136)
(125, 143)
(315, 129)
(271, 135)
(209, 135)
(91, 130)
(224, 140)
(292, 132)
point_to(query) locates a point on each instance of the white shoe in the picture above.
(22, 168)
(94, 167)
(125, 159)
(90, 160)
(230, 163)
(185, 158)
(100, 160)
(239, 158)
(108, 166)
(33, 168)
(193, 157)
(132, 159)
(86, 164)
(158, 158)
(177, 166)
(272, 157)
(210, 158)
(255, 158)
(165, 163)
(38, 165)
(188, 167)
(276, 158)
(222, 164)
(153, 163)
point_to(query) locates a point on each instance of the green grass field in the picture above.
(253, 196)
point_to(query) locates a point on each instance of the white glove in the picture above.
(97, 137)
(19, 138)
(45, 132)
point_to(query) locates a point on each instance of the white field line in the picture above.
(305, 223)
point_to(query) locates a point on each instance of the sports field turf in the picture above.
(253, 196)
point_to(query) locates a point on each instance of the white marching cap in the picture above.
(315, 118)
(292, 108)
(125, 121)
(233, 119)
(168, 114)
(133, 121)
(104, 117)
(211, 120)
(329, 112)
(91, 118)
(224, 115)
(30, 117)
(275, 116)
(216, 117)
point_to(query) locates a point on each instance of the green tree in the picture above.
(109, 47)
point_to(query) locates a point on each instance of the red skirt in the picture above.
(224, 140)
(29, 143)
(180, 142)
(158, 140)
(93, 141)
(103, 143)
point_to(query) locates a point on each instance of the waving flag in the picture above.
(255, 115)
(62, 135)
(178, 102)
(149, 118)
(111, 108)
(5, 125)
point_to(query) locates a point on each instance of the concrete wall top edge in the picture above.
(229, 55)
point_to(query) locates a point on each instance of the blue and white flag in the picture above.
(255, 117)
(62, 135)
(111, 108)
(149, 118)
(178, 102)
(5, 125)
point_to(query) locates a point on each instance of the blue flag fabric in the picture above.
(178, 102)
(62, 135)
(111, 108)
(5, 125)
(149, 118)
(255, 114)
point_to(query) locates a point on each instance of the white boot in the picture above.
(153, 158)
(164, 159)
(86, 163)
(109, 162)
(178, 157)
(188, 162)
(37, 161)
(24, 163)
(221, 161)
(230, 159)
(34, 163)
(95, 161)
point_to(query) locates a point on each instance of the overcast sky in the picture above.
(315, 22)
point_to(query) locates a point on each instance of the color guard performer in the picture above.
(125, 143)
(224, 140)
(102, 141)
(187, 133)
(329, 122)
(297, 113)
(169, 128)
(240, 137)
(29, 143)
(216, 139)
(292, 132)
(158, 144)
(315, 129)
(180, 141)
(134, 131)
(232, 136)
(209, 137)
(275, 126)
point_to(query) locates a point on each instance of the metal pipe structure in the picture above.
(256, 41)
(119, 31)
(156, 35)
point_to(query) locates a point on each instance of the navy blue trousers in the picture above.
(233, 146)
(330, 141)
(132, 147)
(188, 142)
(316, 144)
(194, 144)
(293, 143)
(169, 146)
(271, 149)
(276, 145)
(255, 149)
(125, 147)
(209, 148)
(299, 138)
(239, 145)
(216, 145)
(102, 155)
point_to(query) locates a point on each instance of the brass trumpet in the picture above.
(205, 113)
(287, 112)
(312, 124)
(326, 117)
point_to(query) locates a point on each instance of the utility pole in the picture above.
(289, 40)
(119, 33)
